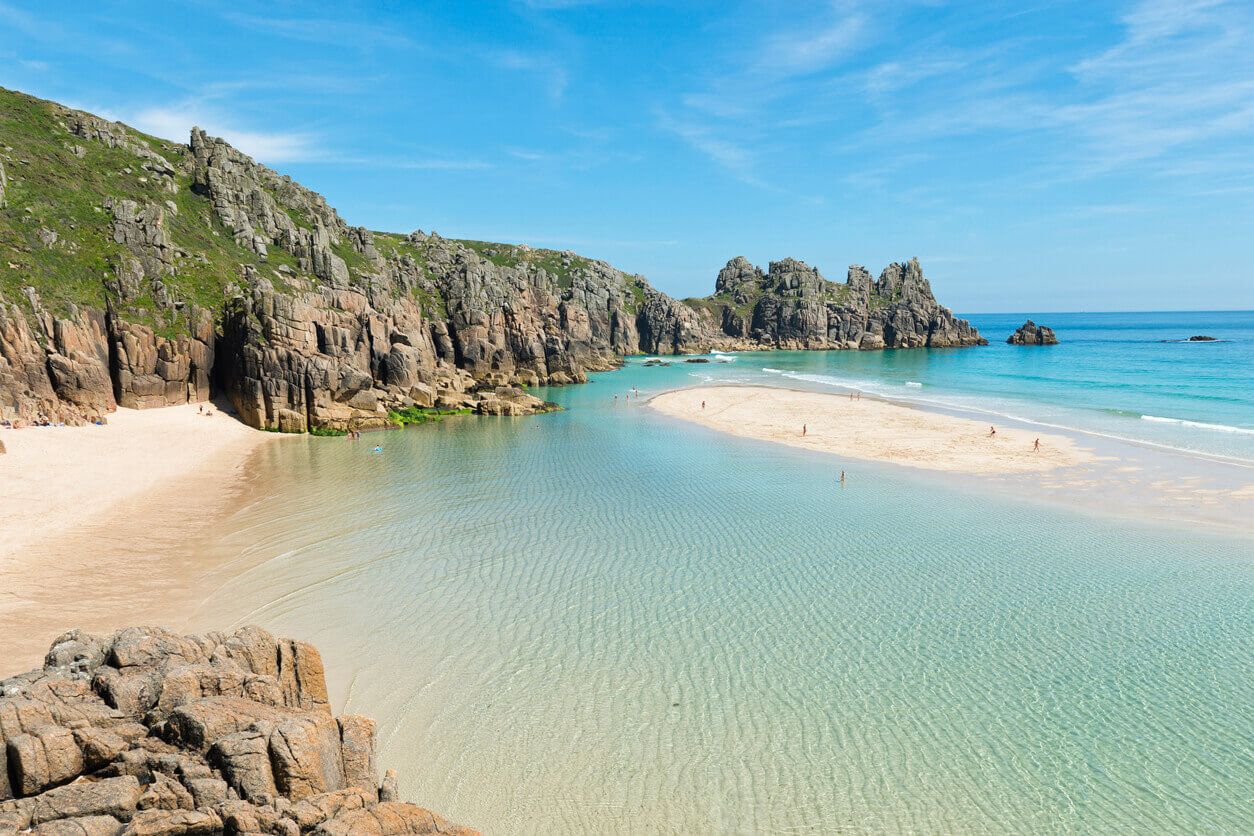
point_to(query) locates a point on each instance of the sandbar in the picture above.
(871, 429)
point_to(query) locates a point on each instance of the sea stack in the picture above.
(1032, 334)
(150, 732)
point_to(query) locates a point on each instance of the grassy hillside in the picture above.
(57, 233)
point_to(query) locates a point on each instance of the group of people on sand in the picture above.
(41, 421)
(206, 411)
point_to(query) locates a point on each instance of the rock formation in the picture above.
(150, 733)
(1201, 338)
(792, 306)
(176, 270)
(1030, 333)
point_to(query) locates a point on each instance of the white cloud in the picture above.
(804, 51)
(175, 123)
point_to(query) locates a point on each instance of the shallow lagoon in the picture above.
(604, 619)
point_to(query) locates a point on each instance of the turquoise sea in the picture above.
(605, 620)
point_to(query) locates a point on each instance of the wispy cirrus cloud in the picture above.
(548, 69)
(323, 30)
(737, 100)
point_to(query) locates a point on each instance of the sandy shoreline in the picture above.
(871, 429)
(95, 521)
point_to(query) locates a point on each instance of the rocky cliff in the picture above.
(791, 305)
(139, 272)
(149, 733)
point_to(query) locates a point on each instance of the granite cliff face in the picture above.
(150, 733)
(145, 273)
(792, 306)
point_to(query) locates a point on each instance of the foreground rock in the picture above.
(1030, 333)
(150, 733)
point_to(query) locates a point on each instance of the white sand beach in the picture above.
(75, 498)
(871, 429)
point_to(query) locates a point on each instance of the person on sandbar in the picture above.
(1036, 446)
(992, 431)
(803, 429)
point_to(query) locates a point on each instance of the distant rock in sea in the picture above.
(150, 732)
(1200, 338)
(1032, 334)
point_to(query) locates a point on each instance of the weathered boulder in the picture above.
(1030, 333)
(222, 733)
(82, 826)
(306, 756)
(390, 818)
(115, 797)
(44, 758)
(174, 823)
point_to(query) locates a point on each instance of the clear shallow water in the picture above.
(523, 602)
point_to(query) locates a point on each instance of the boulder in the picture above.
(305, 754)
(390, 818)
(243, 758)
(174, 823)
(46, 757)
(357, 754)
(115, 797)
(1030, 333)
(85, 826)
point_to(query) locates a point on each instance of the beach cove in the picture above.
(715, 635)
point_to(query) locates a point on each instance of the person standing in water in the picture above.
(842, 477)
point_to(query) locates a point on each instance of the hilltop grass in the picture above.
(51, 187)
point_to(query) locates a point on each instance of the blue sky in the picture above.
(1035, 157)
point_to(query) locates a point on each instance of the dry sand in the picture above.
(870, 429)
(73, 499)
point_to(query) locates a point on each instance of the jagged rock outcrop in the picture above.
(150, 733)
(791, 305)
(1030, 333)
